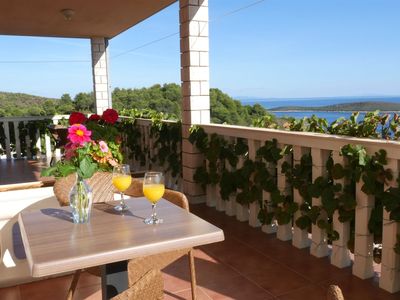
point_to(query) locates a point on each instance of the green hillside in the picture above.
(164, 98)
(356, 106)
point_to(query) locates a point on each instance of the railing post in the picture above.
(273, 227)
(284, 232)
(300, 236)
(254, 207)
(230, 205)
(364, 240)
(38, 143)
(390, 263)
(319, 243)
(220, 203)
(242, 211)
(211, 192)
(28, 142)
(8, 141)
(48, 147)
(17, 141)
(340, 253)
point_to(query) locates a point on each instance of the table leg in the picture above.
(74, 282)
(114, 279)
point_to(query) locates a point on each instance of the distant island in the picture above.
(347, 107)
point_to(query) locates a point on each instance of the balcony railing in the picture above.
(321, 147)
(27, 137)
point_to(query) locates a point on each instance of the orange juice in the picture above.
(153, 192)
(122, 182)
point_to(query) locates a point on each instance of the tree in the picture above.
(84, 102)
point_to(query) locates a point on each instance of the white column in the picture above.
(193, 16)
(101, 86)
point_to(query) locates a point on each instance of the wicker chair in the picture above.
(138, 267)
(103, 191)
(334, 293)
(160, 261)
(100, 182)
(148, 287)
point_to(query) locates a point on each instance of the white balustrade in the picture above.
(15, 149)
(321, 147)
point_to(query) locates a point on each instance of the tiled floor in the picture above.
(21, 171)
(247, 265)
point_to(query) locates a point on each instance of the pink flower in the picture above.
(103, 146)
(70, 150)
(78, 134)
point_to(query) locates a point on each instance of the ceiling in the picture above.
(91, 18)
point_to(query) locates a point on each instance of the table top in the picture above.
(53, 244)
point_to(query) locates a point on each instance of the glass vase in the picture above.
(80, 200)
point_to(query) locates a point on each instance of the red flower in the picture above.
(94, 117)
(110, 116)
(77, 118)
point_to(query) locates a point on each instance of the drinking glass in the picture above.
(153, 190)
(121, 179)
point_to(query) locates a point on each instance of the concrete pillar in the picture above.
(193, 16)
(101, 86)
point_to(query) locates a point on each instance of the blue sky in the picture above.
(275, 49)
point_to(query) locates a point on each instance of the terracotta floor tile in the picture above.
(87, 279)
(238, 288)
(175, 284)
(311, 292)
(88, 293)
(55, 288)
(186, 295)
(277, 279)
(208, 271)
(10, 293)
(355, 289)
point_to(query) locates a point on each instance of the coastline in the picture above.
(331, 111)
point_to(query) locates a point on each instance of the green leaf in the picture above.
(48, 172)
(87, 168)
(66, 169)
(303, 222)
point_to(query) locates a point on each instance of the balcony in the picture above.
(257, 260)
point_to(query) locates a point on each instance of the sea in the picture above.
(315, 102)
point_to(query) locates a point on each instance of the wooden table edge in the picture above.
(40, 270)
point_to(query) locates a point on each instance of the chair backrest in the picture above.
(100, 182)
(149, 287)
(175, 197)
(334, 293)
(135, 189)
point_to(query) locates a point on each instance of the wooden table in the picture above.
(54, 244)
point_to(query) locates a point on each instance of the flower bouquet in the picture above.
(93, 145)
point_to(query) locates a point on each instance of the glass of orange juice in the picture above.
(153, 190)
(121, 179)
